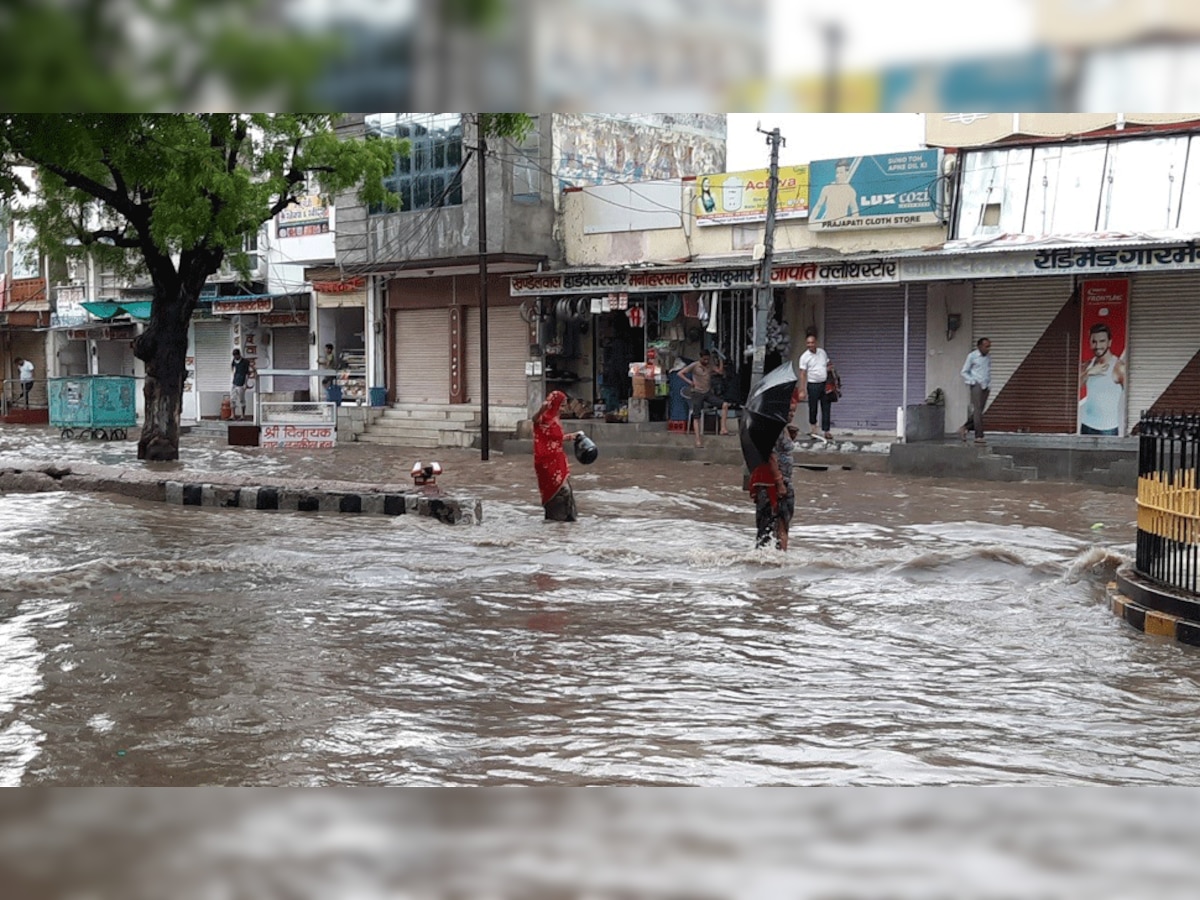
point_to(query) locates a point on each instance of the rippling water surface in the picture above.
(918, 632)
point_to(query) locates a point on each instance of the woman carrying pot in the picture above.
(550, 462)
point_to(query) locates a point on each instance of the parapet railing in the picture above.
(1168, 532)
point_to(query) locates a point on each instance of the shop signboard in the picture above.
(785, 274)
(889, 190)
(244, 306)
(298, 437)
(1103, 360)
(284, 317)
(307, 215)
(738, 197)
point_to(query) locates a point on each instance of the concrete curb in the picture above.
(285, 495)
(1153, 610)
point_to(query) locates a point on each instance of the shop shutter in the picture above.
(290, 350)
(214, 351)
(422, 355)
(508, 351)
(1164, 335)
(1034, 329)
(864, 336)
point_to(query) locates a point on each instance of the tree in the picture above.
(175, 195)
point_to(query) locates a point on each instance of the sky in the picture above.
(880, 32)
(811, 136)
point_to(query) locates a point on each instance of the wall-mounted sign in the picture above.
(793, 274)
(296, 317)
(298, 437)
(242, 307)
(307, 216)
(345, 286)
(890, 190)
(735, 197)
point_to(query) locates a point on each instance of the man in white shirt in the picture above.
(813, 368)
(977, 374)
(25, 370)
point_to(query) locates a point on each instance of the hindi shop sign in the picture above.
(298, 437)
(307, 215)
(889, 190)
(1099, 261)
(739, 197)
(795, 274)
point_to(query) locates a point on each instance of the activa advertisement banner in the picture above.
(735, 197)
(890, 190)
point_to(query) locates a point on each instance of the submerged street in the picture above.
(918, 631)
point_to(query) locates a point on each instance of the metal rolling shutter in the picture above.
(422, 362)
(864, 336)
(1164, 335)
(1014, 313)
(1019, 316)
(508, 351)
(214, 350)
(290, 351)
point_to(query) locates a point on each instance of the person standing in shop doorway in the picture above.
(813, 368)
(328, 360)
(977, 373)
(241, 372)
(25, 373)
(700, 385)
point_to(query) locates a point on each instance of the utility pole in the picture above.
(832, 33)
(484, 433)
(763, 292)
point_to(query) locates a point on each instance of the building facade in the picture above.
(422, 264)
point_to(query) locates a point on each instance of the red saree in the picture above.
(550, 462)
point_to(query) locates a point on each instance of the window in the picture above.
(526, 163)
(429, 176)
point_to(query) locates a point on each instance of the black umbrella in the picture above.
(767, 410)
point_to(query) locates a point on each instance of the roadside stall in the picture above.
(101, 407)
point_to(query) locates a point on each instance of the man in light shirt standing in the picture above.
(977, 373)
(25, 374)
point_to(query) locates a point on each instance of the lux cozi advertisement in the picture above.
(730, 197)
(890, 190)
(1103, 358)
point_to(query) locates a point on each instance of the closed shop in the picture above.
(1163, 359)
(508, 351)
(1033, 324)
(290, 350)
(421, 360)
(214, 346)
(864, 337)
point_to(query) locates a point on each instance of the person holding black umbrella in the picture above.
(768, 411)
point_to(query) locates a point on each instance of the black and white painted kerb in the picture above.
(337, 497)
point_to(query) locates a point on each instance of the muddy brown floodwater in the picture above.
(918, 632)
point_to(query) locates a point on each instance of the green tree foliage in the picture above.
(156, 54)
(174, 195)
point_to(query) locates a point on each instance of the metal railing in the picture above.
(13, 396)
(1168, 533)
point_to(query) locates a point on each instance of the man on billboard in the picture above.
(839, 198)
(1101, 384)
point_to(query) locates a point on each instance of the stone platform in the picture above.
(245, 492)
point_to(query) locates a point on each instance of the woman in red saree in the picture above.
(550, 462)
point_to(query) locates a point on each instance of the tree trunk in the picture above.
(163, 348)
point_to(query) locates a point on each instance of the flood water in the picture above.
(918, 632)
